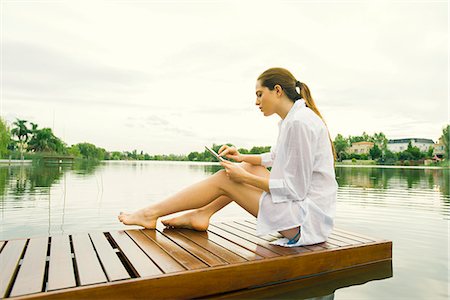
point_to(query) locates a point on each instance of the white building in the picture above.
(399, 145)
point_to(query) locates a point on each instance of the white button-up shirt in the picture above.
(302, 181)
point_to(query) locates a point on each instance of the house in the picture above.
(439, 149)
(399, 145)
(360, 148)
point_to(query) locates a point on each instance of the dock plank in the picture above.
(334, 236)
(204, 255)
(225, 254)
(111, 263)
(9, 261)
(262, 251)
(239, 250)
(89, 269)
(60, 273)
(143, 265)
(30, 278)
(329, 244)
(164, 261)
(186, 259)
(362, 237)
(234, 229)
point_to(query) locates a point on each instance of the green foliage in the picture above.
(341, 144)
(5, 138)
(43, 140)
(445, 139)
(375, 152)
(90, 151)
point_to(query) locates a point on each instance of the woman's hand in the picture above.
(230, 152)
(235, 172)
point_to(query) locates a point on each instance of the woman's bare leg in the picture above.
(198, 219)
(196, 196)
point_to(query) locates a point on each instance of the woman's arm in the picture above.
(238, 174)
(251, 159)
(254, 159)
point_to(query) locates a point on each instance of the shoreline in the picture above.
(15, 161)
(390, 166)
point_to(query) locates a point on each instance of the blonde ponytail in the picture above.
(306, 95)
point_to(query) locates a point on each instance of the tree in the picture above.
(380, 140)
(5, 138)
(43, 140)
(22, 133)
(445, 139)
(340, 145)
(375, 152)
(90, 151)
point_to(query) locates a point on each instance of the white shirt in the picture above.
(302, 181)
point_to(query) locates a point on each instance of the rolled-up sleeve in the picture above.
(297, 165)
(267, 159)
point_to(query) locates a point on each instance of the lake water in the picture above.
(405, 205)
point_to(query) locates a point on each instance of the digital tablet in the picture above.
(214, 153)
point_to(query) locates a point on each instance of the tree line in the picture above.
(380, 152)
(26, 139)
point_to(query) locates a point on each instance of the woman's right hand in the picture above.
(230, 152)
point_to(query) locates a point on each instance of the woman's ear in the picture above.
(278, 89)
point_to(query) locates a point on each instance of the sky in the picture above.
(173, 76)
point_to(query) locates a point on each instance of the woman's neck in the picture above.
(284, 108)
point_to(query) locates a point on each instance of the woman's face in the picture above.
(265, 99)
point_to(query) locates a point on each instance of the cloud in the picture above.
(32, 71)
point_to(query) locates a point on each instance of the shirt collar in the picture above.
(299, 104)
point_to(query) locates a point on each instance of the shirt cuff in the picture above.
(279, 191)
(266, 159)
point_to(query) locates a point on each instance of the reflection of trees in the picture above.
(364, 177)
(22, 179)
(211, 169)
(85, 166)
(384, 178)
(25, 179)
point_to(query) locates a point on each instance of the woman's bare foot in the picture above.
(142, 217)
(196, 220)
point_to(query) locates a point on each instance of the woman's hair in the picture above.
(282, 77)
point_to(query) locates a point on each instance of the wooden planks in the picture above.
(61, 273)
(201, 240)
(204, 255)
(143, 265)
(164, 261)
(89, 269)
(182, 256)
(171, 263)
(9, 260)
(114, 268)
(203, 282)
(31, 273)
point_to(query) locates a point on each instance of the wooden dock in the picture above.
(171, 263)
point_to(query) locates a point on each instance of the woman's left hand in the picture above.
(234, 171)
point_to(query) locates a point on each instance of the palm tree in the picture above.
(44, 140)
(22, 132)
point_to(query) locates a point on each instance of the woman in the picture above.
(297, 198)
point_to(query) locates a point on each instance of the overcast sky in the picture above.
(172, 76)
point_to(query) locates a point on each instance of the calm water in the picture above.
(408, 206)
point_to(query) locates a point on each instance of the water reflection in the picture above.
(398, 178)
(24, 179)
